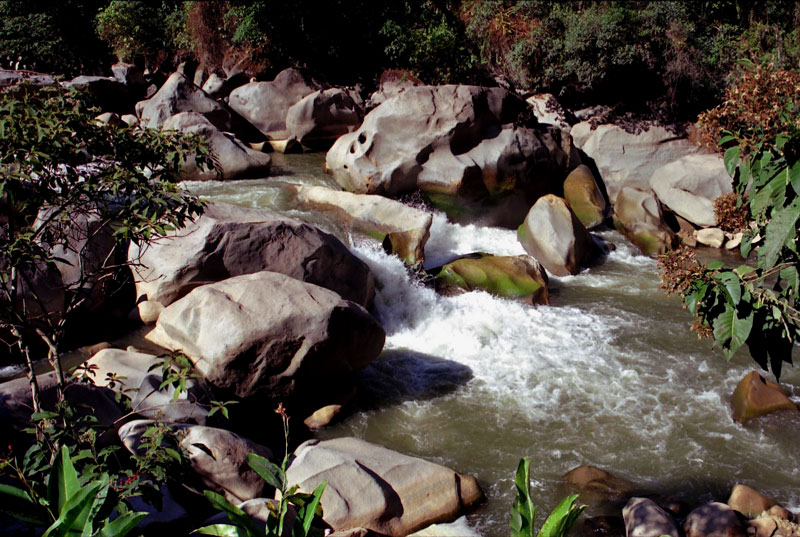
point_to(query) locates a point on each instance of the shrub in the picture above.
(730, 215)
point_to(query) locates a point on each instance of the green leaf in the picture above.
(744, 270)
(695, 297)
(792, 278)
(562, 518)
(269, 471)
(307, 512)
(235, 514)
(523, 512)
(732, 287)
(76, 508)
(778, 231)
(731, 158)
(224, 530)
(730, 331)
(19, 504)
(122, 525)
(793, 176)
(715, 265)
(63, 480)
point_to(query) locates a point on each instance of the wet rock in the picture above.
(555, 237)
(749, 501)
(638, 216)
(713, 520)
(755, 396)
(584, 197)
(229, 241)
(235, 160)
(516, 277)
(405, 230)
(643, 518)
(380, 490)
(179, 94)
(689, 186)
(265, 104)
(270, 335)
(598, 483)
(629, 159)
(455, 140)
(319, 118)
(712, 236)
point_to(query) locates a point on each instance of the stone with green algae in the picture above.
(584, 197)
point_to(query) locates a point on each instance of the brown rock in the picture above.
(714, 519)
(749, 501)
(584, 196)
(598, 482)
(754, 396)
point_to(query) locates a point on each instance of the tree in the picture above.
(757, 306)
(73, 193)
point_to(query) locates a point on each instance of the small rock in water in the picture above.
(749, 501)
(712, 236)
(755, 396)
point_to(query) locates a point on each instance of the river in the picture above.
(608, 374)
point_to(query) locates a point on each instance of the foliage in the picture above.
(523, 511)
(59, 171)
(72, 504)
(147, 30)
(729, 214)
(307, 506)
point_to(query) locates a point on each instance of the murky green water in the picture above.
(608, 375)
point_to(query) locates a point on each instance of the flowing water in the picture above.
(607, 375)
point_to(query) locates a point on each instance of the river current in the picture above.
(608, 374)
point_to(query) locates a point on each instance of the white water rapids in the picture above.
(607, 375)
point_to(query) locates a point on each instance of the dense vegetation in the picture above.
(680, 54)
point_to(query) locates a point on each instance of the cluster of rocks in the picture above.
(747, 513)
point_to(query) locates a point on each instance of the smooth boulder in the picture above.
(228, 240)
(319, 118)
(404, 229)
(179, 94)
(638, 216)
(555, 237)
(584, 197)
(468, 141)
(713, 519)
(270, 335)
(266, 104)
(749, 501)
(689, 186)
(755, 396)
(378, 489)
(644, 518)
(234, 159)
(594, 482)
(516, 277)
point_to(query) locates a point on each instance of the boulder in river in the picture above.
(404, 229)
(266, 104)
(597, 483)
(374, 488)
(644, 518)
(235, 160)
(638, 216)
(713, 519)
(228, 240)
(556, 238)
(749, 501)
(468, 141)
(179, 94)
(755, 396)
(269, 335)
(584, 197)
(517, 277)
(319, 118)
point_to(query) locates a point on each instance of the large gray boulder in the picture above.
(629, 158)
(179, 94)
(644, 518)
(218, 457)
(689, 186)
(321, 117)
(228, 240)
(236, 160)
(555, 237)
(270, 335)
(404, 228)
(265, 104)
(456, 140)
(378, 489)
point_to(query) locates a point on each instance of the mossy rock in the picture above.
(638, 216)
(516, 277)
(584, 197)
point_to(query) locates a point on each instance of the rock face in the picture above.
(405, 229)
(714, 519)
(218, 457)
(271, 335)
(265, 104)
(380, 490)
(229, 241)
(748, 501)
(643, 518)
(755, 396)
(236, 161)
(179, 94)
(629, 159)
(456, 140)
(516, 277)
(637, 215)
(321, 117)
(555, 237)
(689, 186)
(584, 197)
